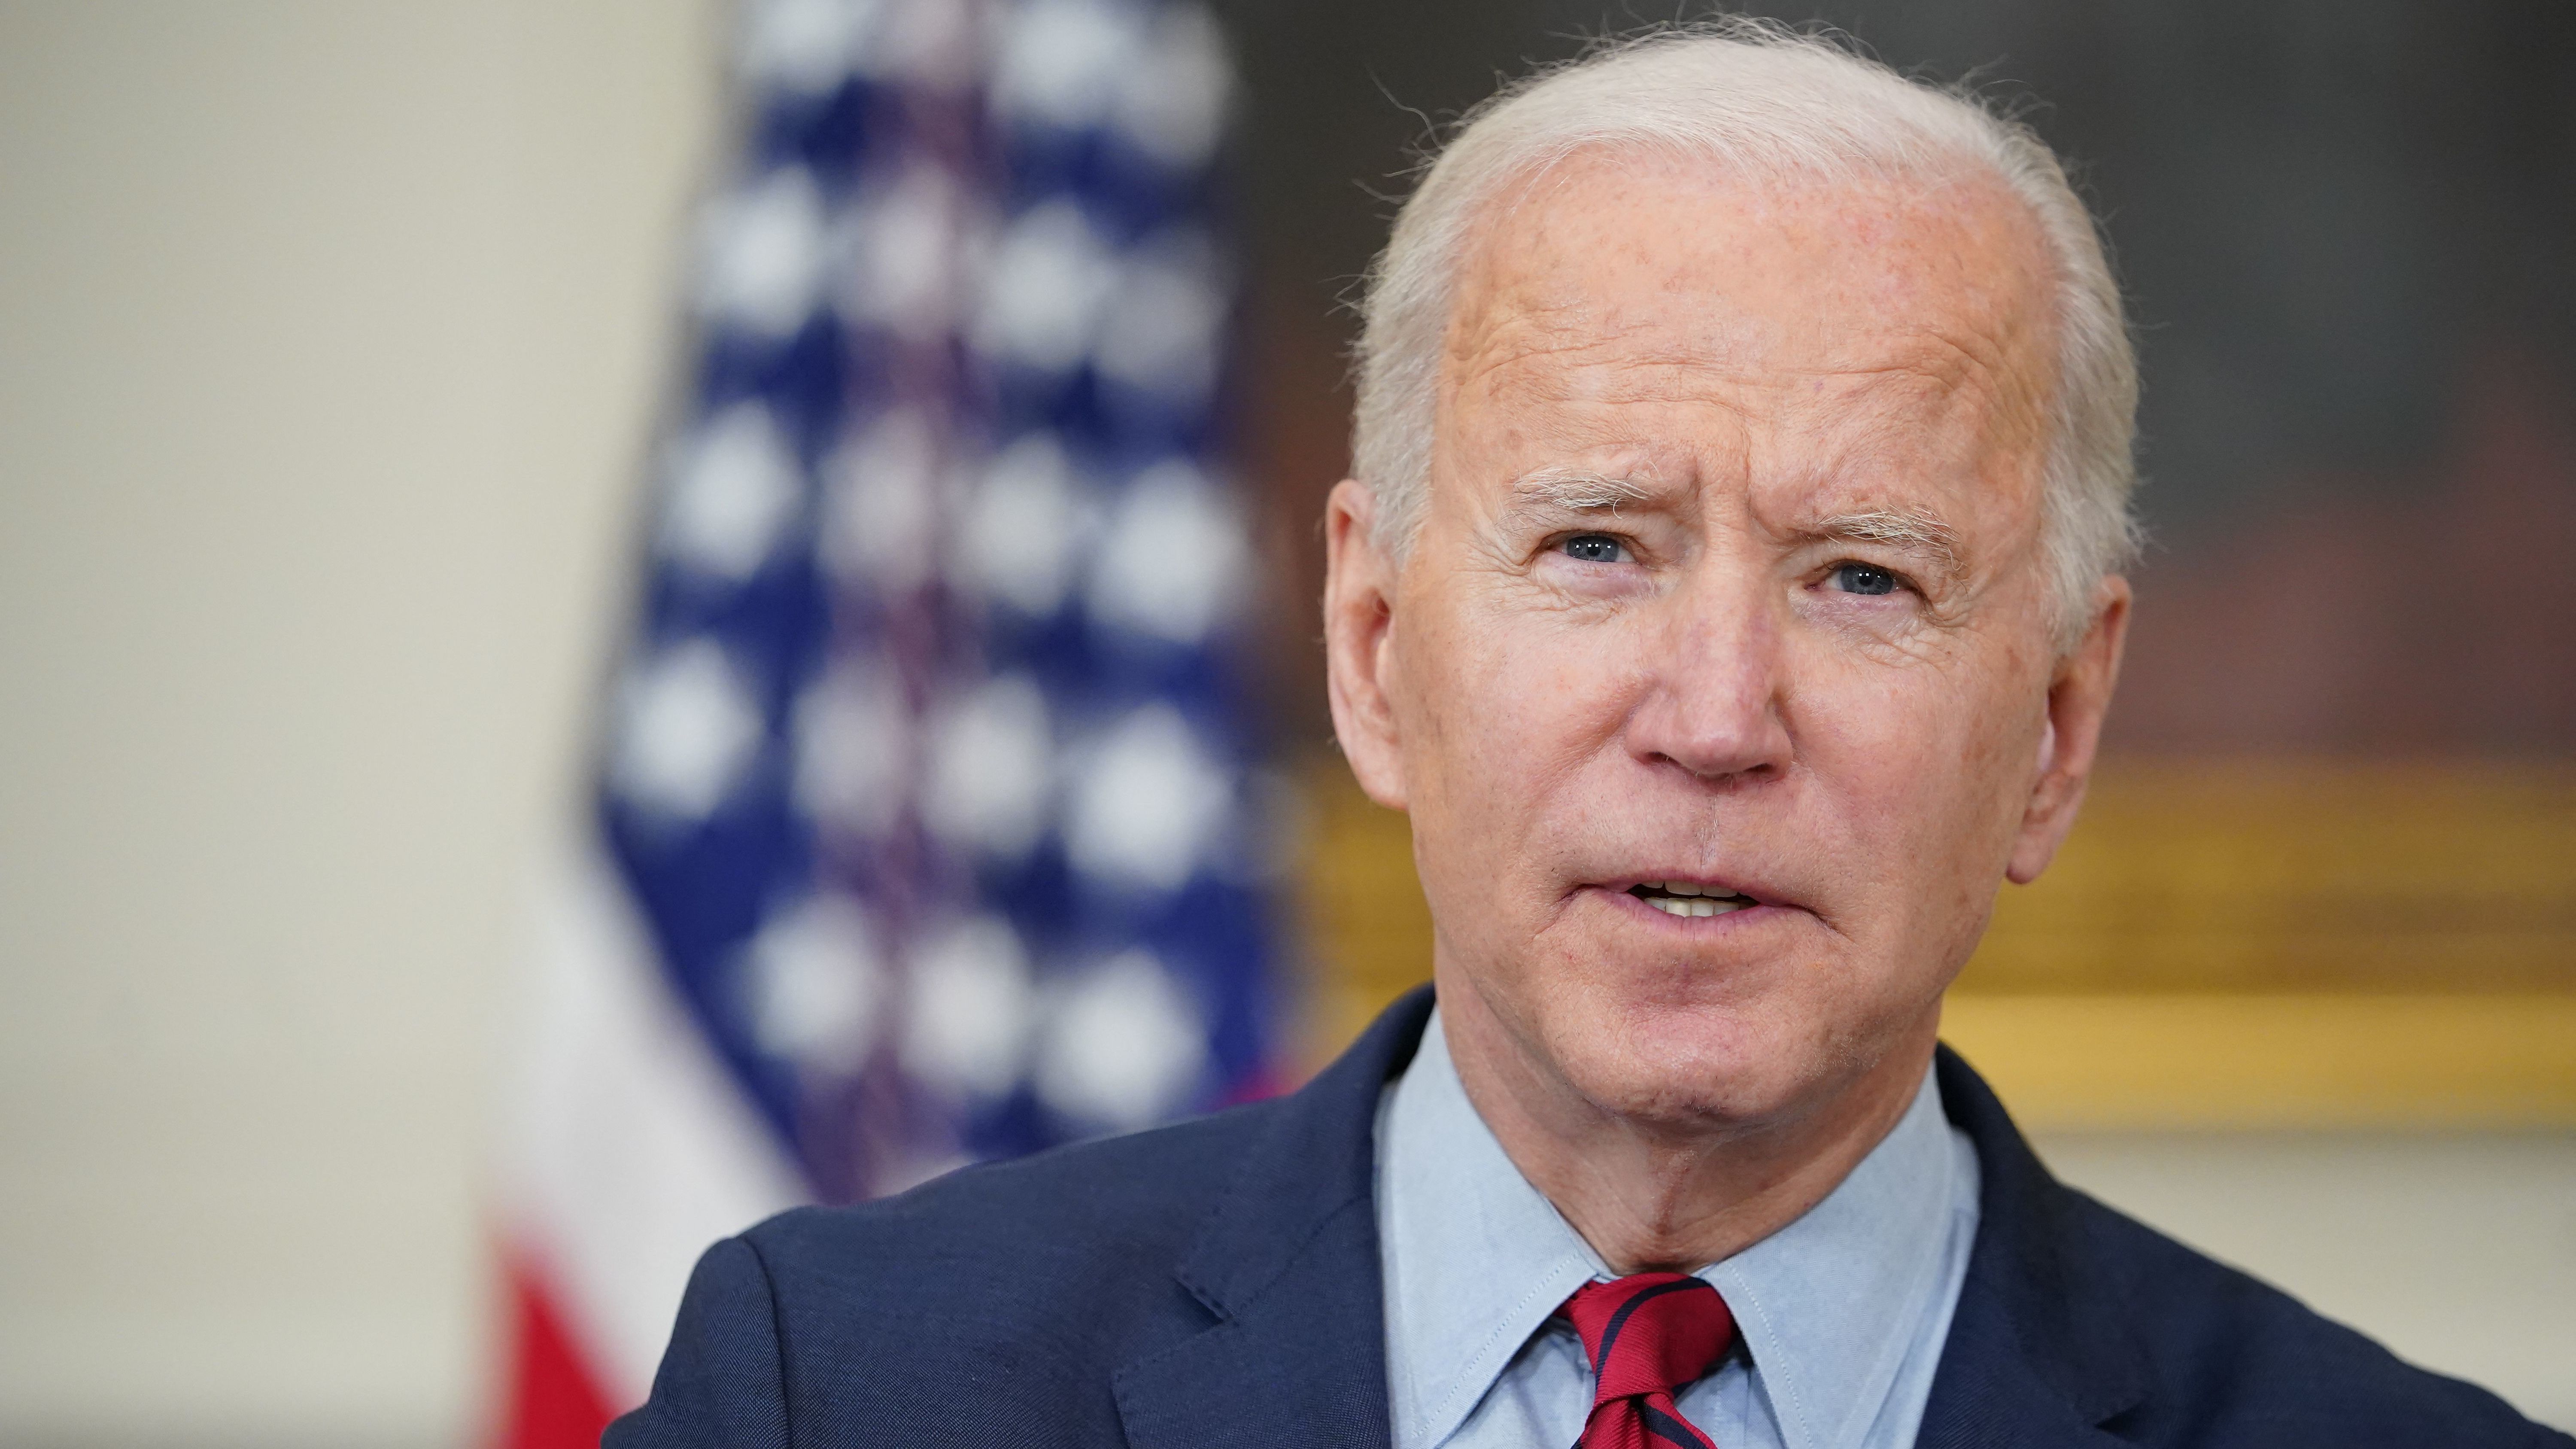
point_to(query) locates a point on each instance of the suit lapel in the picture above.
(1988, 1395)
(1288, 1266)
(2038, 1352)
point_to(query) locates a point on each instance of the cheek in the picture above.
(1928, 775)
(1506, 720)
(1504, 703)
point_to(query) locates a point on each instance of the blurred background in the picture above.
(346, 351)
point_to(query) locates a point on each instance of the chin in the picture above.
(1765, 1057)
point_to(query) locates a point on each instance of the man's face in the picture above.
(1730, 582)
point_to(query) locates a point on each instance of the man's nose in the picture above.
(1714, 707)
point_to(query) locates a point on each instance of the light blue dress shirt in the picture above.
(1841, 1314)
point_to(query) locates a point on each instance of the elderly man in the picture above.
(1730, 592)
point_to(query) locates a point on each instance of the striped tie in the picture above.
(1647, 1334)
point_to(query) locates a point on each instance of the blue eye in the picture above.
(1594, 548)
(1861, 578)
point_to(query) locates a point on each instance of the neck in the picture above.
(1653, 1195)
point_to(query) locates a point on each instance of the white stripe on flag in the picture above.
(628, 1150)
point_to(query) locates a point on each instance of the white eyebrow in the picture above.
(1576, 491)
(1904, 529)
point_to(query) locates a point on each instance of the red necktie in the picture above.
(1648, 1334)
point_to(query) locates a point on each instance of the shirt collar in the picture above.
(1477, 1260)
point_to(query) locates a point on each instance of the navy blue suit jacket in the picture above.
(1216, 1284)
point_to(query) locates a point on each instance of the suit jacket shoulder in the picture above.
(997, 1293)
(1209, 1283)
(2079, 1324)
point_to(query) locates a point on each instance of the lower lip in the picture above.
(1741, 918)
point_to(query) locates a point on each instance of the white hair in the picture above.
(1758, 98)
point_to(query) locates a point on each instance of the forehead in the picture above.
(1850, 304)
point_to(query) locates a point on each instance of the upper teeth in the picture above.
(1701, 906)
(1693, 900)
(1685, 888)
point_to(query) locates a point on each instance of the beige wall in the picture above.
(329, 334)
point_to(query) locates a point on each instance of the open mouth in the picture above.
(1681, 898)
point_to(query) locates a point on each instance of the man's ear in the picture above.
(1359, 618)
(2079, 695)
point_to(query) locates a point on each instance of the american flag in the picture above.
(926, 827)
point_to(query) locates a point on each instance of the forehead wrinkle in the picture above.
(1989, 368)
(1518, 278)
(1947, 363)
(1995, 357)
(1939, 420)
(1513, 329)
(1532, 343)
(1553, 353)
(1606, 370)
(1879, 375)
(1993, 361)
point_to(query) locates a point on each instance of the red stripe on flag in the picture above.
(555, 1401)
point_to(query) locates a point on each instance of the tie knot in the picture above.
(1650, 1333)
